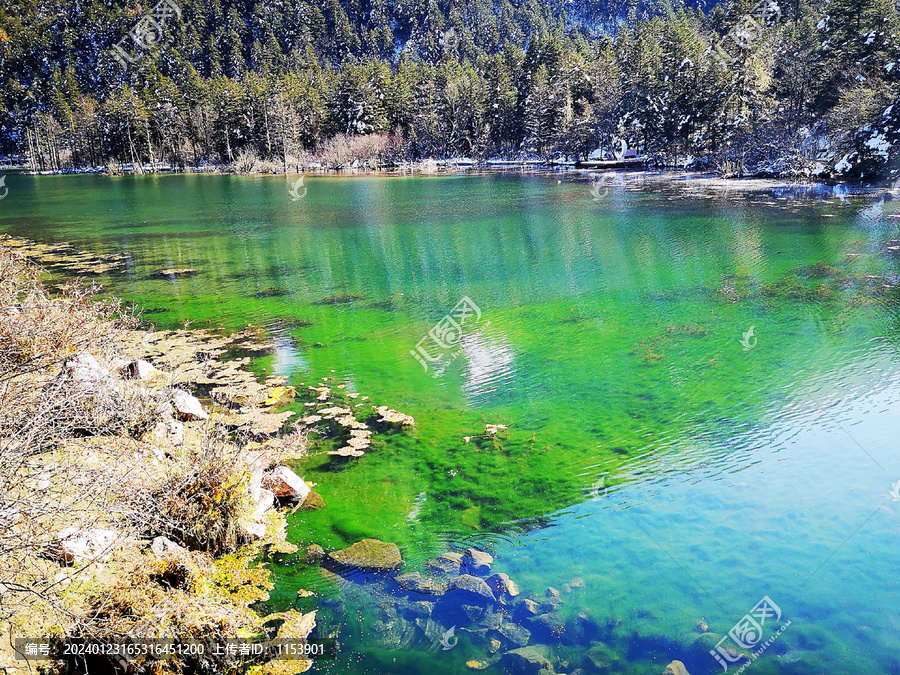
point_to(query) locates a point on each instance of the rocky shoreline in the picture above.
(144, 477)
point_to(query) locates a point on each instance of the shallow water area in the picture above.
(700, 386)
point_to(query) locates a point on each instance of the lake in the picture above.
(701, 389)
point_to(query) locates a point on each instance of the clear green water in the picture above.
(610, 343)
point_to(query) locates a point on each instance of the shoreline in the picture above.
(432, 167)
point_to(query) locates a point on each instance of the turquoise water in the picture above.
(656, 472)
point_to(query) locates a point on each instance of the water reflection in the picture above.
(490, 367)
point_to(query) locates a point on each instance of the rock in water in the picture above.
(75, 545)
(314, 554)
(514, 633)
(174, 272)
(369, 554)
(416, 583)
(449, 564)
(550, 624)
(286, 484)
(477, 561)
(313, 502)
(501, 584)
(526, 660)
(675, 668)
(473, 586)
(187, 406)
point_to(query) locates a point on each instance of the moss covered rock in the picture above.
(369, 554)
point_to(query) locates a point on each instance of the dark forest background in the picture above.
(812, 89)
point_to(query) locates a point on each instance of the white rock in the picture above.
(187, 406)
(162, 545)
(75, 544)
(84, 369)
(140, 369)
(284, 483)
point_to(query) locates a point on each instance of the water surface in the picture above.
(663, 466)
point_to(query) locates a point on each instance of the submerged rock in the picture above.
(187, 406)
(173, 272)
(418, 608)
(526, 660)
(600, 657)
(314, 554)
(313, 502)
(675, 668)
(416, 583)
(449, 564)
(369, 554)
(515, 633)
(474, 587)
(549, 624)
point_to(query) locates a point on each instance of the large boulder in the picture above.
(369, 554)
(76, 545)
(188, 407)
(286, 484)
(675, 668)
(474, 587)
(526, 661)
